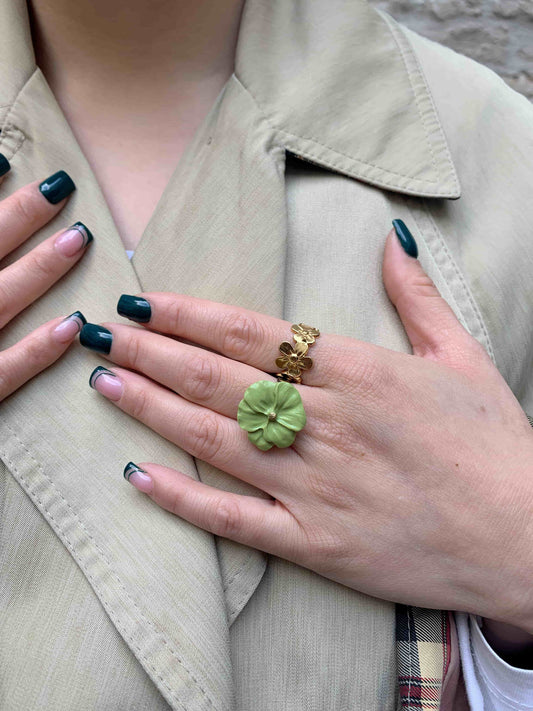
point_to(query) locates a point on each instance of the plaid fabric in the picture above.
(423, 655)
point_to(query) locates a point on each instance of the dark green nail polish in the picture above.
(97, 338)
(134, 308)
(78, 317)
(406, 238)
(130, 468)
(100, 370)
(4, 165)
(57, 186)
(85, 231)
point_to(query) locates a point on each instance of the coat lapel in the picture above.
(219, 233)
(157, 576)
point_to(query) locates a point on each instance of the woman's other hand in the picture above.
(21, 214)
(412, 479)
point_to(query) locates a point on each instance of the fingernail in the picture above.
(138, 477)
(4, 165)
(97, 338)
(106, 383)
(406, 238)
(69, 327)
(134, 308)
(76, 237)
(57, 186)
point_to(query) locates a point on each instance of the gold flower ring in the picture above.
(294, 359)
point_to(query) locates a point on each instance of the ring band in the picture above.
(294, 359)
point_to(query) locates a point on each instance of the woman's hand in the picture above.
(25, 280)
(411, 480)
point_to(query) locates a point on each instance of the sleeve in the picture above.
(491, 684)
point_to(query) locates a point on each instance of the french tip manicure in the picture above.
(88, 235)
(96, 338)
(69, 327)
(99, 370)
(106, 383)
(130, 468)
(80, 317)
(73, 239)
(5, 165)
(138, 477)
(405, 238)
(57, 186)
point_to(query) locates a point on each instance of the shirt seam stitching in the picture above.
(332, 164)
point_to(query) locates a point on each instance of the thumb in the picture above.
(430, 323)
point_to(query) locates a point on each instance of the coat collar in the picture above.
(359, 106)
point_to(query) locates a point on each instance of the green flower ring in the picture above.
(272, 413)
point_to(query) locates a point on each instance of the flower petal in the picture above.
(260, 396)
(294, 369)
(279, 435)
(305, 363)
(286, 348)
(290, 410)
(258, 439)
(282, 362)
(249, 419)
(301, 348)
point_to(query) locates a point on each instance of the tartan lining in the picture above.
(423, 640)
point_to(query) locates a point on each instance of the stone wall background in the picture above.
(498, 33)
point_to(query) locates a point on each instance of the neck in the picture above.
(134, 79)
(92, 49)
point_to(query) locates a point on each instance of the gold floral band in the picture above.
(294, 359)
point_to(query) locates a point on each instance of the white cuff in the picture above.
(491, 684)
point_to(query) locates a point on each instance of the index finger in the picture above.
(238, 333)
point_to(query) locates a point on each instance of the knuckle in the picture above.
(324, 545)
(333, 432)
(365, 375)
(329, 490)
(35, 354)
(133, 350)
(239, 334)
(204, 437)
(139, 405)
(41, 267)
(421, 285)
(228, 518)
(203, 378)
(6, 306)
(173, 315)
(23, 207)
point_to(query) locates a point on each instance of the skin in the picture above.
(21, 214)
(90, 52)
(406, 463)
(177, 55)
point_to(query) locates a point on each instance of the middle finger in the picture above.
(199, 375)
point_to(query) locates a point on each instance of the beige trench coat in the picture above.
(109, 602)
